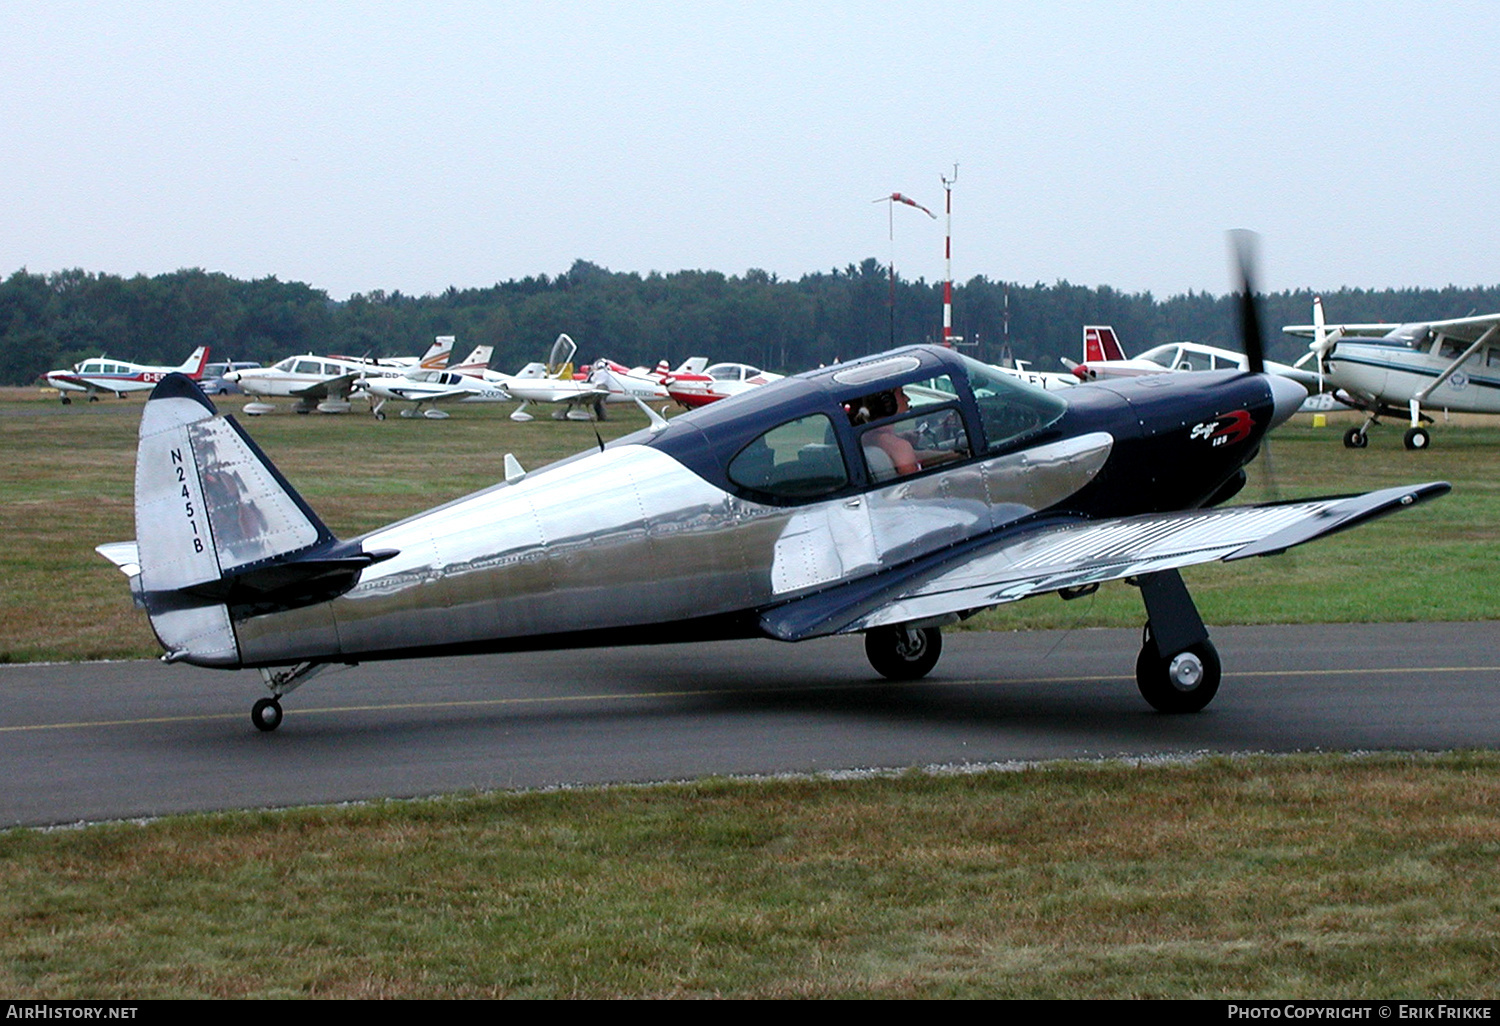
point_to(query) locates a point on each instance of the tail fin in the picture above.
(1100, 344)
(220, 531)
(436, 357)
(476, 363)
(193, 365)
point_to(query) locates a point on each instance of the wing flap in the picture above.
(1045, 556)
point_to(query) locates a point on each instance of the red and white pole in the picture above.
(948, 338)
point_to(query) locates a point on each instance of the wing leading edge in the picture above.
(1051, 555)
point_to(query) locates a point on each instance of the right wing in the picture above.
(339, 386)
(1051, 555)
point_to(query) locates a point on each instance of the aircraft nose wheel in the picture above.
(1416, 438)
(266, 714)
(1182, 682)
(903, 653)
(1354, 438)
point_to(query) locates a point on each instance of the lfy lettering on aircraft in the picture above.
(103, 375)
(1104, 357)
(888, 496)
(1400, 369)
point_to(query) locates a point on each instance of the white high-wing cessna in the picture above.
(553, 382)
(102, 374)
(1397, 369)
(888, 496)
(323, 383)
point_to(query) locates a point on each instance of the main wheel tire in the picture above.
(1354, 438)
(266, 714)
(1416, 438)
(1184, 682)
(903, 653)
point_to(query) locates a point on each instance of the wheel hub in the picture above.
(1185, 671)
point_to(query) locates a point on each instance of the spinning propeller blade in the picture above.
(1251, 338)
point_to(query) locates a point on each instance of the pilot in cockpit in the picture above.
(891, 449)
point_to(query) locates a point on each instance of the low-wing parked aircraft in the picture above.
(1104, 357)
(771, 516)
(428, 388)
(323, 383)
(553, 382)
(627, 384)
(715, 382)
(102, 374)
(1397, 369)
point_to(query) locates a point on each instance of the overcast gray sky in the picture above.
(413, 146)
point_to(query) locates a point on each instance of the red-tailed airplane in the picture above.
(718, 381)
(102, 374)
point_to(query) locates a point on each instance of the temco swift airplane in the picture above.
(101, 374)
(888, 496)
(1396, 369)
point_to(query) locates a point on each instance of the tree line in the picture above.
(53, 320)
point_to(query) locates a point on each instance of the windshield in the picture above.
(1009, 408)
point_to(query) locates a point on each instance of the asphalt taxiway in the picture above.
(98, 741)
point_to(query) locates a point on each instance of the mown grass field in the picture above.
(1303, 877)
(1297, 877)
(66, 480)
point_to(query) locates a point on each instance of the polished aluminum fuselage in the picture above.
(628, 538)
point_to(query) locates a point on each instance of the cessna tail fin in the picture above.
(218, 529)
(1100, 344)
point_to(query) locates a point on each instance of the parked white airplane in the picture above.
(1104, 357)
(323, 383)
(553, 382)
(1397, 369)
(627, 384)
(463, 383)
(102, 374)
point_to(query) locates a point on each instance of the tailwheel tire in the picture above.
(1182, 682)
(266, 714)
(1416, 438)
(1354, 438)
(903, 653)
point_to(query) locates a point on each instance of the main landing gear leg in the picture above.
(903, 652)
(266, 713)
(1178, 669)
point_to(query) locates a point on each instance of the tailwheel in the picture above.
(903, 653)
(266, 714)
(1416, 438)
(1180, 682)
(1354, 438)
